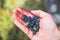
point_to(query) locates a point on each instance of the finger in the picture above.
(23, 28)
(21, 25)
(40, 13)
(24, 12)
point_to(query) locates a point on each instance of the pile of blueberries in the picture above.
(32, 23)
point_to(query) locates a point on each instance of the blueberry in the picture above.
(29, 19)
(33, 23)
(25, 18)
(35, 17)
(37, 24)
(34, 32)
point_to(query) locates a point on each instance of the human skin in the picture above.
(48, 29)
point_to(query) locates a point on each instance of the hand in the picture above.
(48, 29)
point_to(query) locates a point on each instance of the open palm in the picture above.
(48, 29)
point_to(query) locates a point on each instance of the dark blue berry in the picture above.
(34, 32)
(29, 19)
(25, 18)
(33, 23)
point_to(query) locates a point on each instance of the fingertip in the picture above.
(36, 12)
(14, 11)
(19, 9)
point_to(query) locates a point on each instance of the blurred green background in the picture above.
(8, 30)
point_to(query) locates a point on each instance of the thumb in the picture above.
(39, 13)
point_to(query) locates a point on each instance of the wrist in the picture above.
(58, 34)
